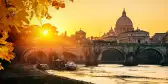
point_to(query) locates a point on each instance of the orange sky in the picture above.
(97, 16)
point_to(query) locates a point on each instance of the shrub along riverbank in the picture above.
(27, 74)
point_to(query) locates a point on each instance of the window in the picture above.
(139, 41)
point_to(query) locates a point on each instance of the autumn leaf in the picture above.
(7, 58)
(48, 16)
(18, 4)
(42, 1)
(1, 66)
(55, 3)
(62, 5)
(3, 51)
(71, 0)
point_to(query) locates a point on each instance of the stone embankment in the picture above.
(29, 74)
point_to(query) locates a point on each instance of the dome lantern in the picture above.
(124, 13)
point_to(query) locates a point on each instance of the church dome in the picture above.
(124, 24)
(111, 32)
(124, 21)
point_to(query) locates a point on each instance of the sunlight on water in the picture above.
(118, 74)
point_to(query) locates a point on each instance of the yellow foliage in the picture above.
(6, 48)
(13, 14)
(43, 1)
(1, 67)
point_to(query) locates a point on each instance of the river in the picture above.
(118, 74)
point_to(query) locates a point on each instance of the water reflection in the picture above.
(118, 74)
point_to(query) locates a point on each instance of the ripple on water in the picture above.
(116, 74)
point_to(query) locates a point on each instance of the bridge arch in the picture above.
(111, 55)
(31, 55)
(72, 54)
(69, 56)
(150, 56)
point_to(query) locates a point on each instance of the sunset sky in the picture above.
(95, 17)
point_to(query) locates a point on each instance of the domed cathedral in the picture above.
(123, 24)
(125, 33)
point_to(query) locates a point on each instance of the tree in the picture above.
(16, 13)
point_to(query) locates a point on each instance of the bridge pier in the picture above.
(130, 60)
(165, 61)
(91, 58)
(89, 62)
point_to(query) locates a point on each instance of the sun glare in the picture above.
(45, 32)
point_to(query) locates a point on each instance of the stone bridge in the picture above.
(107, 52)
(102, 52)
(27, 54)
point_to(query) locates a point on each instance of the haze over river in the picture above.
(118, 74)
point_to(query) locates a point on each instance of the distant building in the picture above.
(125, 33)
(80, 35)
(136, 36)
(109, 36)
(160, 38)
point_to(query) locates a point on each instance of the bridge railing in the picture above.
(110, 43)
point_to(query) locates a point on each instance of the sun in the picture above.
(45, 32)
